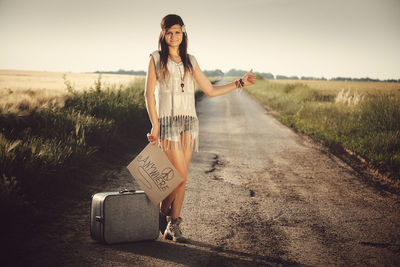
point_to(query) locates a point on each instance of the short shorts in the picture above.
(174, 134)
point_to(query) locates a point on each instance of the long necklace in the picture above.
(181, 76)
(182, 83)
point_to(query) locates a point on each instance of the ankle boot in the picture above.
(173, 231)
(162, 221)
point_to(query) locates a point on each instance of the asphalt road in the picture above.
(258, 194)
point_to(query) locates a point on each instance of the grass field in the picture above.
(333, 87)
(22, 91)
(29, 79)
(41, 148)
(363, 117)
(53, 125)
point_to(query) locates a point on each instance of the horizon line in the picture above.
(288, 76)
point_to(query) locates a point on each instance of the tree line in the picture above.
(264, 75)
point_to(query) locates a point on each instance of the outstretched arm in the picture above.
(215, 90)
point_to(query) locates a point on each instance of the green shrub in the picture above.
(56, 143)
(369, 127)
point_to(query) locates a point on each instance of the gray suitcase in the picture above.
(124, 216)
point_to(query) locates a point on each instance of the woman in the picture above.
(170, 103)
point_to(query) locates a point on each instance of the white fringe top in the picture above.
(176, 109)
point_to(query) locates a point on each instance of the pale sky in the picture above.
(329, 38)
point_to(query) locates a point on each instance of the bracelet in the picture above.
(241, 82)
(238, 84)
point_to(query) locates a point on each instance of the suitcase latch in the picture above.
(127, 191)
(99, 219)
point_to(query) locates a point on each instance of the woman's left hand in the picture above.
(249, 78)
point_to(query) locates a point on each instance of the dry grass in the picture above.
(23, 79)
(347, 98)
(22, 91)
(334, 87)
(363, 117)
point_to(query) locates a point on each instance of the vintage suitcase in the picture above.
(124, 216)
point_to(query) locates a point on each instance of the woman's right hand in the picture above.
(153, 136)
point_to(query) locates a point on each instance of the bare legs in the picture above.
(181, 160)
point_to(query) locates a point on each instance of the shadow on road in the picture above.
(196, 253)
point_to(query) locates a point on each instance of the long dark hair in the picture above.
(167, 22)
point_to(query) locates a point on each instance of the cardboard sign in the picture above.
(155, 174)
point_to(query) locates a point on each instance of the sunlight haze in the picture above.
(320, 38)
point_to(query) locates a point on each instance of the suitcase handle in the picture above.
(127, 191)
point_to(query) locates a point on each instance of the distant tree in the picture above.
(341, 79)
(308, 78)
(235, 72)
(265, 75)
(366, 79)
(213, 73)
(259, 77)
(392, 81)
(121, 71)
(281, 77)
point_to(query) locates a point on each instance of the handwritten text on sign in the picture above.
(155, 174)
(149, 172)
